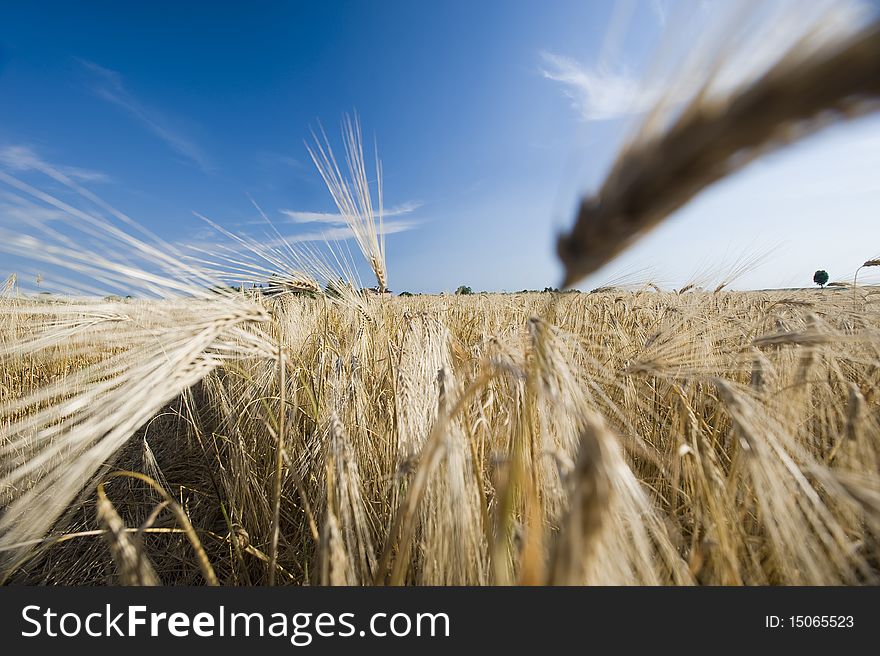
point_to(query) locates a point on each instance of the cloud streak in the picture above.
(331, 218)
(109, 86)
(598, 94)
(716, 51)
(23, 158)
(343, 233)
(204, 242)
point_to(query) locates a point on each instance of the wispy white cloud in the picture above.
(597, 93)
(24, 158)
(108, 85)
(720, 50)
(342, 233)
(331, 218)
(206, 240)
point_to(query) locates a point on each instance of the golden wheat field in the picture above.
(621, 437)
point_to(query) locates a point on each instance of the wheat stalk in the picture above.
(868, 263)
(132, 564)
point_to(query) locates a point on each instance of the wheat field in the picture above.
(620, 437)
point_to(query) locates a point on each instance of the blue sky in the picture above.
(490, 117)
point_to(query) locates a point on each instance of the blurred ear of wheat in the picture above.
(715, 135)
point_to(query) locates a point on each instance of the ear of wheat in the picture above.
(352, 194)
(807, 89)
(873, 262)
(132, 564)
(139, 356)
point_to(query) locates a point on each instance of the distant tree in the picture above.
(820, 278)
(548, 290)
(405, 294)
(464, 289)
